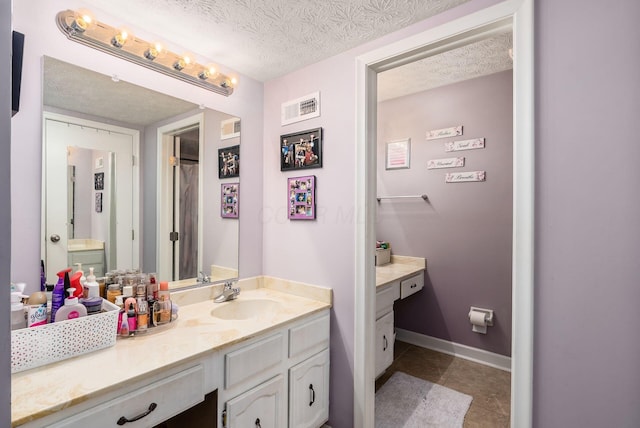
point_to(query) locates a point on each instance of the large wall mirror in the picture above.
(133, 178)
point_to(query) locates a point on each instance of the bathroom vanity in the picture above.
(399, 279)
(265, 353)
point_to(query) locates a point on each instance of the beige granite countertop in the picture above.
(401, 267)
(45, 390)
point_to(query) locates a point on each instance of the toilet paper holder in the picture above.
(480, 319)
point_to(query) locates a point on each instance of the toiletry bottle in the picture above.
(71, 309)
(83, 279)
(58, 294)
(113, 291)
(37, 309)
(162, 310)
(143, 306)
(152, 287)
(124, 325)
(18, 319)
(164, 290)
(91, 287)
(131, 314)
(43, 277)
(76, 283)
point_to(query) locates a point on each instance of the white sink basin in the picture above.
(244, 309)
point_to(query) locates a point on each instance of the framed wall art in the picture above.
(301, 150)
(229, 195)
(229, 162)
(301, 197)
(398, 154)
(98, 202)
(98, 181)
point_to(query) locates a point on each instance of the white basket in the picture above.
(383, 256)
(37, 346)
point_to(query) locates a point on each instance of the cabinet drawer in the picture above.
(385, 298)
(87, 257)
(310, 337)
(189, 382)
(252, 359)
(411, 285)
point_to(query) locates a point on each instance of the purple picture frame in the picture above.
(301, 198)
(230, 200)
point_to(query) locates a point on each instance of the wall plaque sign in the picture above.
(445, 163)
(444, 132)
(465, 177)
(455, 146)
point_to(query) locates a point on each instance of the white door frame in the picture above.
(135, 189)
(519, 14)
(164, 202)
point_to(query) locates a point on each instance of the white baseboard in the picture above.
(456, 349)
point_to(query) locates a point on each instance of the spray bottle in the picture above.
(58, 294)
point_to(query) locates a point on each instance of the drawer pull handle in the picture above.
(258, 423)
(413, 286)
(384, 339)
(313, 395)
(124, 420)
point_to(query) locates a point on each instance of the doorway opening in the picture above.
(180, 199)
(519, 16)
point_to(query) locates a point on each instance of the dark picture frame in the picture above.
(229, 162)
(229, 200)
(98, 181)
(301, 198)
(301, 150)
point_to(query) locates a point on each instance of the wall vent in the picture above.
(302, 108)
(230, 128)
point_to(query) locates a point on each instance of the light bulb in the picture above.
(153, 51)
(120, 39)
(81, 22)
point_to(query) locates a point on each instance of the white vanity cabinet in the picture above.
(141, 404)
(279, 379)
(385, 331)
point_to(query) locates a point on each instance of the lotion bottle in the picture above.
(71, 309)
(91, 286)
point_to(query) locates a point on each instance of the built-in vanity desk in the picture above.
(399, 279)
(266, 354)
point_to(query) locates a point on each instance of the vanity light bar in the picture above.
(120, 43)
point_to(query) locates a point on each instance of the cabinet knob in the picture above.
(258, 423)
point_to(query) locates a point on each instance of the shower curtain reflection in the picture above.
(188, 219)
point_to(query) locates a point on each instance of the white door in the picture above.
(59, 136)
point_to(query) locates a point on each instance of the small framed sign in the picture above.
(229, 162)
(398, 155)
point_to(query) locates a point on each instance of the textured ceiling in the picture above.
(467, 62)
(264, 39)
(70, 87)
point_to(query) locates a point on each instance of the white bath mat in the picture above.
(409, 402)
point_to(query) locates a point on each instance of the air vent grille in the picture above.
(230, 128)
(300, 109)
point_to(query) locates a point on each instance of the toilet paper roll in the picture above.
(477, 318)
(478, 322)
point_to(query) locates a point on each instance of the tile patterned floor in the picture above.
(489, 387)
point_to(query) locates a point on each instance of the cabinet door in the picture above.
(264, 406)
(309, 392)
(385, 339)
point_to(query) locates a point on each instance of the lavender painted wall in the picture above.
(5, 211)
(464, 231)
(322, 251)
(587, 214)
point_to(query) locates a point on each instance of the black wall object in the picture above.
(16, 70)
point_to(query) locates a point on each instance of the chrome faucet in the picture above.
(228, 293)
(204, 278)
